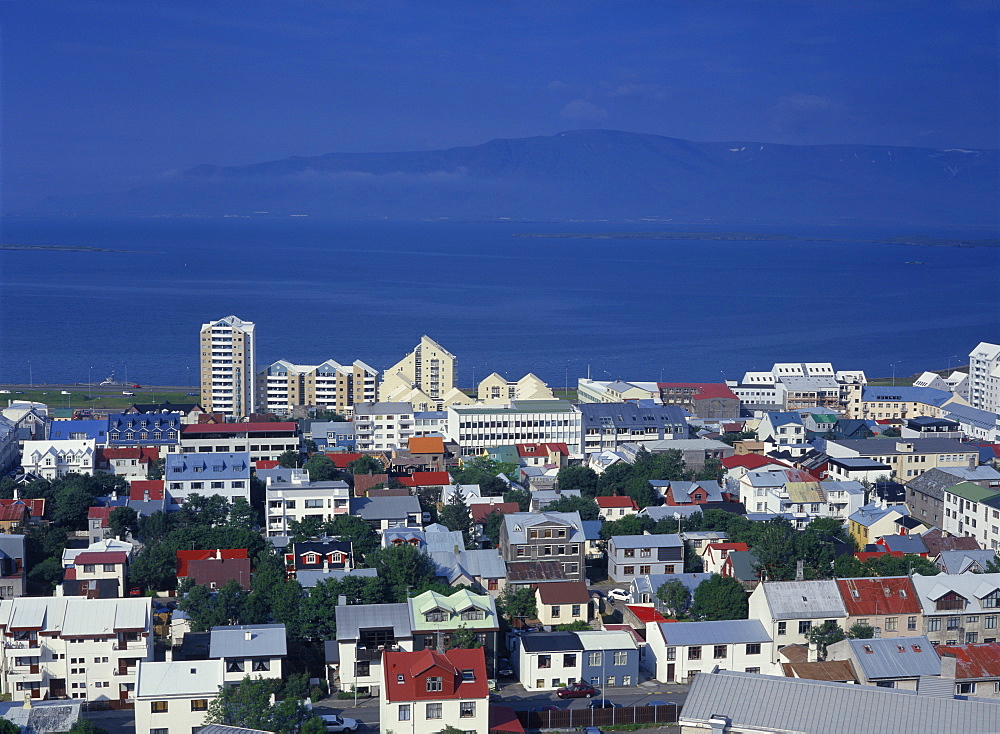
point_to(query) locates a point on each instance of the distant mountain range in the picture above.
(591, 174)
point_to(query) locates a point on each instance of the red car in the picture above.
(577, 690)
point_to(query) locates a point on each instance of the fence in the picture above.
(575, 718)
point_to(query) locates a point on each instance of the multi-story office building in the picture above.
(283, 386)
(228, 350)
(475, 427)
(984, 377)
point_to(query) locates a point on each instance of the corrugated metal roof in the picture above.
(804, 599)
(249, 640)
(646, 541)
(714, 633)
(900, 657)
(353, 618)
(770, 703)
(518, 523)
(606, 640)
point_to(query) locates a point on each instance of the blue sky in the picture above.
(105, 95)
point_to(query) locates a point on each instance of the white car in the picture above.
(336, 723)
(620, 595)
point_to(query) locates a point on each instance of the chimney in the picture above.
(247, 635)
(813, 655)
(718, 723)
(799, 570)
(168, 654)
(949, 664)
(17, 494)
(145, 495)
(341, 600)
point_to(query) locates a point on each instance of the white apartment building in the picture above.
(299, 499)
(790, 609)
(227, 475)
(257, 650)
(283, 386)
(228, 366)
(382, 426)
(55, 647)
(265, 441)
(676, 652)
(973, 511)
(984, 377)
(54, 459)
(475, 427)
(498, 390)
(173, 697)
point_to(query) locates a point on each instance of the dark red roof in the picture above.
(706, 390)
(193, 429)
(888, 595)
(416, 667)
(868, 555)
(266, 464)
(99, 513)
(750, 461)
(342, 460)
(13, 513)
(364, 482)
(728, 546)
(137, 490)
(37, 506)
(935, 542)
(143, 453)
(426, 479)
(605, 502)
(647, 614)
(974, 661)
(504, 718)
(541, 449)
(480, 512)
(184, 556)
(564, 592)
(96, 557)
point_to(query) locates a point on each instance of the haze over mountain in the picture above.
(590, 174)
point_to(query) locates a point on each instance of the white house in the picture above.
(173, 697)
(295, 501)
(790, 609)
(54, 459)
(249, 649)
(675, 652)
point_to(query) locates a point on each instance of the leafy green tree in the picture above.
(587, 508)
(366, 465)
(464, 638)
(310, 446)
(204, 510)
(154, 567)
(203, 608)
(676, 597)
(517, 602)
(290, 459)
(155, 469)
(824, 635)
(993, 566)
(450, 730)
(80, 726)
(315, 725)
(859, 631)
(330, 415)
(123, 521)
(491, 528)
(44, 575)
(242, 515)
(7, 727)
(719, 597)
(712, 471)
(154, 528)
(520, 496)
(455, 515)
(321, 468)
(402, 567)
(249, 706)
(579, 477)
(577, 626)
(483, 471)
(309, 527)
(628, 525)
(70, 508)
(350, 527)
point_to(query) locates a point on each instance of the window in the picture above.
(199, 704)
(544, 661)
(576, 610)
(492, 585)
(890, 624)
(971, 638)
(158, 707)
(805, 626)
(89, 568)
(671, 653)
(434, 683)
(151, 731)
(555, 611)
(433, 711)
(261, 665)
(629, 553)
(593, 658)
(965, 689)
(719, 651)
(990, 622)
(752, 670)
(234, 666)
(954, 623)
(753, 648)
(626, 680)
(569, 660)
(991, 600)
(781, 627)
(467, 709)
(629, 570)
(934, 624)
(404, 712)
(694, 652)
(974, 619)
(911, 623)
(621, 657)
(645, 570)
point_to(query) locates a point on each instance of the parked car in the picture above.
(577, 690)
(620, 595)
(590, 730)
(336, 723)
(127, 393)
(603, 705)
(504, 669)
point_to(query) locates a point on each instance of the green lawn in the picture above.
(98, 398)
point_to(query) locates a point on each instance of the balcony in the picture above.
(373, 654)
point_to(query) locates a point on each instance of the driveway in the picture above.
(116, 722)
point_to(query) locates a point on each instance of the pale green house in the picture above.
(436, 618)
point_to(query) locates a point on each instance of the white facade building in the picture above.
(173, 697)
(228, 366)
(54, 459)
(383, 426)
(300, 499)
(984, 377)
(475, 427)
(676, 652)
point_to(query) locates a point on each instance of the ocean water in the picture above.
(634, 309)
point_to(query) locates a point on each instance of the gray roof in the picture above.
(658, 512)
(631, 415)
(12, 545)
(650, 583)
(248, 640)
(517, 524)
(804, 599)
(905, 543)
(592, 529)
(771, 703)
(647, 541)
(485, 564)
(355, 617)
(958, 561)
(887, 446)
(385, 508)
(972, 586)
(223, 729)
(551, 642)
(307, 579)
(382, 408)
(685, 444)
(178, 678)
(44, 717)
(899, 657)
(714, 633)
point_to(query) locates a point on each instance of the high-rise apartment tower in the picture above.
(228, 366)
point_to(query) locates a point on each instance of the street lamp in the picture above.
(954, 356)
(894, 371)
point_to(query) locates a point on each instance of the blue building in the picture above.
(144, 429)
(227, 475)
(79, 430)
(606, 425)
(547, 660)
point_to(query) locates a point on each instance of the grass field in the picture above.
(98, 398)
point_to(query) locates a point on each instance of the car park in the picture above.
(577, 690)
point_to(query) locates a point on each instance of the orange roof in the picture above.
(974, 661)
(426, 479)
(426, 445)
(888, 595)
(606, 502)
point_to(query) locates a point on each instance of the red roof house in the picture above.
(186, 557)
(146, 490)
(973, 662)
(481, 511)
(35, 506)
(428, 676)
(875, 598)
(427, 479)
(341, 460)
(647, 614)
(263, 464)
(613, 508)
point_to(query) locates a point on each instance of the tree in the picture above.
(577, 626)
(628, 525)
(155, 567)
(321, 468)
(455, 515)
(719, 597)
(676, 597)
(155, 469)
(464, 638)
(824, 635)
(587, 508)
(71, 505)
(242, 515)
(402, 567)
(366, 465)
(521, 497)
(517, 602)
(310, 446)
(579, 477)
(315, 725)
(859, 631)
(481, 470)
(80, 726)
(204, 510)
(249, 706)
(491, 528)
(713, 471)
(290, 459)
(7, 727)
(350, 527)
(123, 521)
(993, 566)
